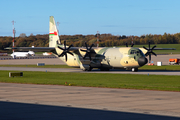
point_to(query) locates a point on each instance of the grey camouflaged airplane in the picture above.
(87, 58)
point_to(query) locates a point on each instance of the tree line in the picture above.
(105, 40)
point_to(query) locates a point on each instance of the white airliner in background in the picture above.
(22, 54)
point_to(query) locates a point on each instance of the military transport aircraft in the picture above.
(87, 58)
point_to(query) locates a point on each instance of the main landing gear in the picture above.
(134, 69)
(104, 69)
(86, 67)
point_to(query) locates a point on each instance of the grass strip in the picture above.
(164, 67)
(125, 81)
(146, 67)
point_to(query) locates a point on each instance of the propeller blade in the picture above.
(149, 44)
(83, 50)
(65, 44)
(153, 47)
(62, 54)
(70, 53)
(126, 45)
(88, 51)
(89, 56)
(149, 58)
(154, 53)
(60, 48)
(132, 45)
(150, 51)
(91, 46)
(65, 51)
(147, 54)
(69, 47)
(57, 42)
(86, 45)
(85, 56)
(66, 56)
(145, 48)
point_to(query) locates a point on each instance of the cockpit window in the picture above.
(141, 53)
(136, 52)
(133, 52)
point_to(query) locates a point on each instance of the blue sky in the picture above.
(118, 17)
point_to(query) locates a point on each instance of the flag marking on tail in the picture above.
(53, 33)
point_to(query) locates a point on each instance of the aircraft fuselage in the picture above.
(107, 58)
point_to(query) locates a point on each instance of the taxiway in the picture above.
(26, 101)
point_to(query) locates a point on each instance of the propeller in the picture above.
(88, 51)
(150, 51)
(131, 45)
(65, 51)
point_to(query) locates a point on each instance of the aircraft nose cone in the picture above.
(142, 61)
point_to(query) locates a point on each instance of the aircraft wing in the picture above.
(164, 49)
(47, 49)
(145, 50)
(37, 49)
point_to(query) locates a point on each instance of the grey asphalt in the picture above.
(26, 101)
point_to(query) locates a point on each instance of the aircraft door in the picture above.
(75, 60)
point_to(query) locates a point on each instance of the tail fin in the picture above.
(53, 33)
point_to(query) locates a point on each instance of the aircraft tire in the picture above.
(90, 68)
(87, 69)
(104, 69)
(134, 69)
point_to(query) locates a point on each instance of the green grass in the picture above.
(164, 67)
(146, 67)
(126, 81)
